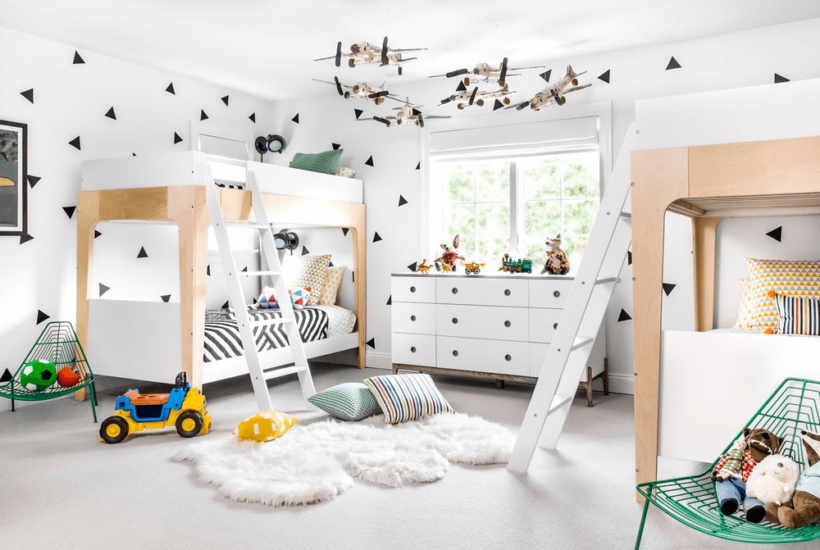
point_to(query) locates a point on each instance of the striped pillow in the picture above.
(798, 315)
(404, 397)
(326, 162)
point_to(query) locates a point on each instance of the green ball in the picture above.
(38, 375)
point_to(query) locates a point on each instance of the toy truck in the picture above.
(473, 268)
(185, 408)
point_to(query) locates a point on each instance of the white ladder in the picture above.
(259, 375)
(581, 317)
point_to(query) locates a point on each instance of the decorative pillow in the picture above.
(404, 397)
(264, 426)
(791, 278)
(798, 315)
(744, 313)
(308, 272)
(326, 162)
(331, 286)
(298, 298)
(351, 401)
(345, 172)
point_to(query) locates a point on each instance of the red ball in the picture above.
(67, 377)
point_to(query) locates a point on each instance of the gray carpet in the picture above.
(62, 488)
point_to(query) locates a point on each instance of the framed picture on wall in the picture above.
(13, 216)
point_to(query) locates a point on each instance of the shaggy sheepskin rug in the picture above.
(317, 462)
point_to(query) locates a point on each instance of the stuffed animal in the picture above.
(505, 261)
(805, 505)
(731, 491)
(450, 255)
(773, 480)
(557, 261)
(731, 463)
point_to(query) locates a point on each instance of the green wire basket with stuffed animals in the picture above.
(792, 408)
(55, 366)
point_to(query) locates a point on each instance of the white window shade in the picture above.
(516, 138)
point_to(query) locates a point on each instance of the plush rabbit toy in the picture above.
(450, 255)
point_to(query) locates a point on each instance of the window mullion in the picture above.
(514, 214)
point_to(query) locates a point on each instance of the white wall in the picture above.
(730, 61)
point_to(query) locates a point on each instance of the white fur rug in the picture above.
(317, 462)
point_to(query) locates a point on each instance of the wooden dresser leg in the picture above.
(605, 377)
(395, 368)
(499, 384)
(588, 386)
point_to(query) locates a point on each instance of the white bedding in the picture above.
(340, 320)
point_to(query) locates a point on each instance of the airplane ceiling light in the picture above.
(554, 93)
(361, 90)
(487, 73)
(364, 52)
(407, 115)
(466, 98)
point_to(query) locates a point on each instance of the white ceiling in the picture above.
(266, 47)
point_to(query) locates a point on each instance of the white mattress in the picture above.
(340, 320)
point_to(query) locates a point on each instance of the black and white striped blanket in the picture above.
(223, 341)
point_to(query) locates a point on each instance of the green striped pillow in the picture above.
(404, 397)
(326, 162)
(351, 401)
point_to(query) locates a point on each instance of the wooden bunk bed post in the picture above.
(360, 275)
(704, 231)
(88, 217)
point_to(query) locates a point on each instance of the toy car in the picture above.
(473, 268)
(184, 408)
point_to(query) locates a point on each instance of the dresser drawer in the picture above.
(543, 324)
(496, 356)
(495, 323)
(414, 318)
(481, 291)
(414, 289)
(414, 349)
(549, 293)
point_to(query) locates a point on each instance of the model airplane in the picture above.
(486, 73)
(554, 93)
(465, 98)
(407, 115)
(364, 52)
(362, 90)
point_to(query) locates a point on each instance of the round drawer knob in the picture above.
(555, 326)
(455, 320)
(412, 289)
(413, 349)
(508, 357)
(455, 353)
(556, 293)
(507, 292)
(507, 324)
(412, 317)
(455, 290)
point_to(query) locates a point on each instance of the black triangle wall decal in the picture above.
(166, 298)
(418, 166)
(497, 105)
(142, 253)
(330, 264)
(390, 300)
(76, 143)
(226, 305)
(208, 271)
(133, 154)
(353, 276)
(6, 376)
(26, 238)
(776, 234)
(624, 316)
(402, 201)
(305, 251)
(629, 257)
(461, 87)
(345, 230)
(372, 343)
(226, 99)
(32, 180)
(546, 75)
(177, 139)
(253, 117)
(369, 161)
(69, 211)
(111, 114)
(170, 89)
(78, 60)
(335, 146)
(28, 94)
(97, 234)
(376, 237)
(780, 79)
(412, 267)
(296, 118)
(245, 269)
(358, 113)
(605, 76)
(202, 115)
(42, 317)
(668, 288)
(673, 64)
(104, 289)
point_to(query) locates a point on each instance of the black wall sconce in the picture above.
(271, 143)
(286, 240)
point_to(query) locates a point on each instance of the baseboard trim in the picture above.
(375, 360)
(622, 383)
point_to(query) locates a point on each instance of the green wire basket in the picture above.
(57, 344)
(794, 406)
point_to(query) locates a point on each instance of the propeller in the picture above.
(400, 70)
(382, 120)
(338, 84)
(374, 95)
(459, 72)
(385, 59)
(472, 97)
(421, 118)
(503, 76)
(522, 105)
(339, 54)
(446, 100)
(558, 99)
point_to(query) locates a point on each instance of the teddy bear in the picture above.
(557, 261)
(805, 505)
(731, 491)
(773, 480)
(450, 255)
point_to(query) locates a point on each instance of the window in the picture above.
(501, 205)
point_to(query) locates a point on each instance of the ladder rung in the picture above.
(605, 280)
(626, 215)
(581, 341)
(258, 273)
(285, 371)
(247, 225)
(271, 322)
(559, 401)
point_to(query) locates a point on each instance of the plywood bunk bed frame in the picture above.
(170, 189)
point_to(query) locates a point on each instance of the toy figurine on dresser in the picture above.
(557, 261)
(450, 256)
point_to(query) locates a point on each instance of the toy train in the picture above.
(516, 266)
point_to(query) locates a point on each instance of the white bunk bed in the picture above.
(154, 340)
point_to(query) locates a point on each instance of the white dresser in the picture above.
(494, 326)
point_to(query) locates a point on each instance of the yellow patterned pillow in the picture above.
(308, 271)
(264, 426)
(744, 313)
(792, 278)
(332, 283)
